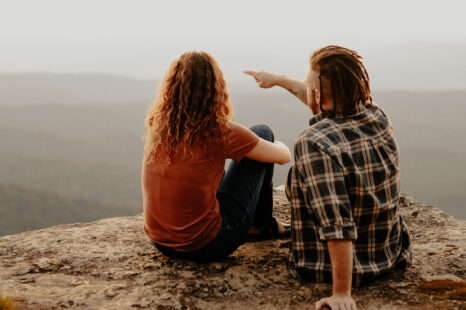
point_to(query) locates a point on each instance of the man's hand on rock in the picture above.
(337, 302)
(264, 79)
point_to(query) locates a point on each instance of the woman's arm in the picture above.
(269, 152)
(268, 80)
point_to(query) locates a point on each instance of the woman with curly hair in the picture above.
(193, 209)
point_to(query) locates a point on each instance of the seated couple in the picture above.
(343, 187)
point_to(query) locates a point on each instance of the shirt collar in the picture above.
(358, 109)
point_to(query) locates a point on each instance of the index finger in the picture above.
(251, 73)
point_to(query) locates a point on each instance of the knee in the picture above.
(263, 131)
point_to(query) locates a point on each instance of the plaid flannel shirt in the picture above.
(344, 184)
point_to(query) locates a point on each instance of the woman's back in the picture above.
(188, 207)
(180, 205)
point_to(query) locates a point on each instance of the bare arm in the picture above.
(268, 80)
(295, 87)
(341, 256)
(269, 152)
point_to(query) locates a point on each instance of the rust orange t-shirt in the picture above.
(180, 207)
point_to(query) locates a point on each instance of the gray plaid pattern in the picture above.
(345, 184)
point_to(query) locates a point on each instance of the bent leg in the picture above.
(263, 215)
(245, 196)
(249, 184)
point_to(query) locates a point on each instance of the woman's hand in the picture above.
(264, 79)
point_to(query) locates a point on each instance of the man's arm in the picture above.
(295, 87)
(341, 256)
(322, 180)
(268, 80)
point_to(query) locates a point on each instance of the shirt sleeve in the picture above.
(241, 141)
(322, 182)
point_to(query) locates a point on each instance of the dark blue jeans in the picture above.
(245, 196)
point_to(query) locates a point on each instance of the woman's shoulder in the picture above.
(236, 128)
(239, 133)
(241, 140)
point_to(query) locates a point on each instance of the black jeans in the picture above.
(245, 197)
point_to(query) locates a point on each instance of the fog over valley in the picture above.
(77, 78)
(76, 139)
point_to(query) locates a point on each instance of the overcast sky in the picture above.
(140, 38)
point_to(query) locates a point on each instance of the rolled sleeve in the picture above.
(347, 231)
(324, 191)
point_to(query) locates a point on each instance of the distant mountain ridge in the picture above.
(73, 88)
(23, 209)
(95, 180)
(77, 145)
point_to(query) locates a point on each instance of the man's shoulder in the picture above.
(323, 134)
(330, 133)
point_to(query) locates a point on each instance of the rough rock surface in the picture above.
(110, 264)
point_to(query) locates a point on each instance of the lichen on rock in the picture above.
(111, 264)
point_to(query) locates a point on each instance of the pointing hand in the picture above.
(264, 79)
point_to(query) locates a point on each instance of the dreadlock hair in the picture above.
(192, 110)
(347, 79)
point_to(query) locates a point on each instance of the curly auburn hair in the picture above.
(192, 109)
(342, 69)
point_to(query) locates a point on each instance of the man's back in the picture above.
(345, 185)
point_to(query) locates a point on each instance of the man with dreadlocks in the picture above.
(344, 185)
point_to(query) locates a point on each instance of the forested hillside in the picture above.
(24, 209)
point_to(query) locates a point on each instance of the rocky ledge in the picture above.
(111, 264)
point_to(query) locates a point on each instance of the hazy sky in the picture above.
(139, 38)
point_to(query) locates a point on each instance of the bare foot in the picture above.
(281, 227)
(253, 230)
